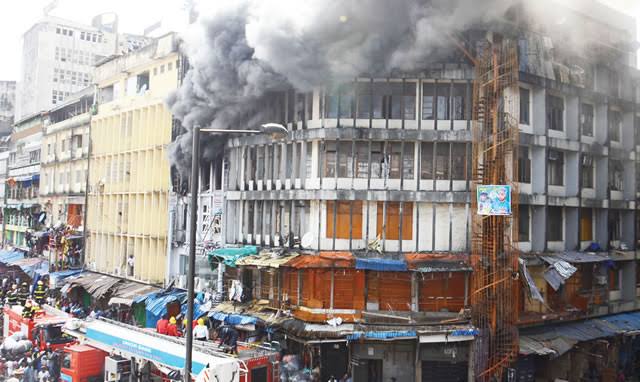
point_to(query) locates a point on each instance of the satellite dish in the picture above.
(307, 240)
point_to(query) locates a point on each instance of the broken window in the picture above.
(586, 119)
(362, 160)
(370, 100)
(458, 102)
(615, 124)
(330, 158)
(555, 113)
(426, 161)
(555, 226)
(615, 228)
(524, 106)
(586, 224)
(616, 171)
(403, 100)
(587, 171)
(555, 168)
(377, 160)
(345, 160)
(343, 223)
(458, 161)
(397, 165)
(523, 223)
(524, 165)
(142, 83)
(393, 218)
(339, 102)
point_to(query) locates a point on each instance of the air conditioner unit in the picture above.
(601, 280)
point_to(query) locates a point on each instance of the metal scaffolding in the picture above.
(493, 255)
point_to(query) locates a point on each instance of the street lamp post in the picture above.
(276, 131)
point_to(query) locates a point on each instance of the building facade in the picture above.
(65, 149)
(58, 57)
(371, 196)
(7, 106)
(22, 208)
(129, 178)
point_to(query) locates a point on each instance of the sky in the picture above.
(135, 16)
(16, 17)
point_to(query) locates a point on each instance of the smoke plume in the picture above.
(240, 51)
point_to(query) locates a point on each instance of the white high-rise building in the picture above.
(58, 56)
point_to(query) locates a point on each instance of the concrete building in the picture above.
(129, 177)
(374, 180)
(22, 206)
(65, 148)
(7, 106)
(58, 57)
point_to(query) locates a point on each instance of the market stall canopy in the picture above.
(10, 256)
(323, 260)
(381, 265)
(229, 256)
(96, 284)
(267, 259)
(56, 278)
(126, 291)
(33, 266)
(438, 262)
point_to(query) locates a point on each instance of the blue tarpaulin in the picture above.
(624, 322)
(229, 256)
(233, 319)
(33, 266)
(9, 257)
(381, 335)
(56, 278)
(156, 304)
(383, 265)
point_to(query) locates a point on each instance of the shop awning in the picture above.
(229, 256)
(267, 259)
(9, 257)
(323, 260)
(126, 291)
(96, 284)
(233, 319)
(56, 278)
(383, 265)
(438, 262)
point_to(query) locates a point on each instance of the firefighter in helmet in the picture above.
(28, 311)
(23, 293)
(12, 296)
(40, 293)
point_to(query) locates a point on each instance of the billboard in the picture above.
(494, 199)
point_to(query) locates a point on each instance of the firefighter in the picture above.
(172, 329)
(40, 293)
(27, 311)
(23, 293)
(12, 296)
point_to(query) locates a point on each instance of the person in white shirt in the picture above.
(43, 375)
(201, 332)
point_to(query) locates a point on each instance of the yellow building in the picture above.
(129, 172)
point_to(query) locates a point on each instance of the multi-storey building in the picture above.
(374, 180)
(129, 177)
(58, 57)
(22, 207)
(64, 162)
(7, 105)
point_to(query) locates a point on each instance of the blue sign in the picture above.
(65, 378)
(494, 200)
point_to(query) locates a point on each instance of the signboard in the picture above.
(494, 200)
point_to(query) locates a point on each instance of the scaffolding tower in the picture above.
(494, 257)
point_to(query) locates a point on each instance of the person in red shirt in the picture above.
(172, 329)
(162, 324)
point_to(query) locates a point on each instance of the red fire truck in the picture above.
(44, 329)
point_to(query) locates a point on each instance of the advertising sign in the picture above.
(494, 200)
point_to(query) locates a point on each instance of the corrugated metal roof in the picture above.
(323, 260)
(438, 262)
(267, 259)
(576, 257)
(8, 257)
(383, 265)
(96, 284)
(376, 335)
(625, 322)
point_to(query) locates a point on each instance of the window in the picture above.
(458, 161)
(362, 159)
(426, 161)
(392, 223)
(169, 66)
(344, 224)
(555, 113)
(340, 99)
(615, 279)
(161, 69)
(523, 223)
(524, 106)
(555, 226)
(615, 123)
(586, 119)
(34, 156)
(586, 224)
(78, 139)
(142, 82)
(378, 160)
(330, 158)
(614, 83)
(345, 160)
(81, 35)
(616, 171)
(396, 165)
(370, 98)
(615, 229)
(155, 71)
(450, 101)
(555, 168)
(442, 161)
(587, 171)
(524, 165)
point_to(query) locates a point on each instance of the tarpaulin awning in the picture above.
(233, 319)
(438, 262)
(8, 257)
(55, 278)
(557, 339)
(96, 284)
(576, 257)
(267, 259)
(323, 260)
(229, 256)
(33, 265)
(384, 265)
(374, 335)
